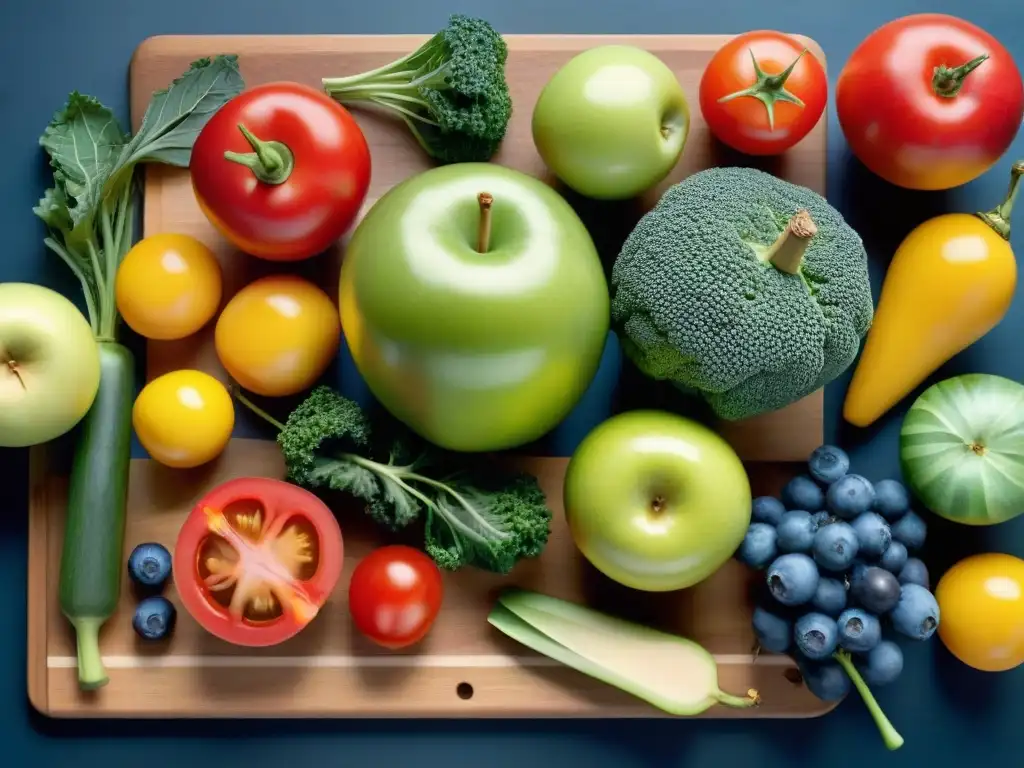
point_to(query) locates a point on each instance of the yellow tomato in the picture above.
(277, 335)
(981, 611)
(168, 286)
(184, 418)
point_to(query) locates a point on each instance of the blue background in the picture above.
(946, 712)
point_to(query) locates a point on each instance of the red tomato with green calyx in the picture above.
(762, 92)
(929, 101)
(256, 559)
(281, 171)
(395, 595)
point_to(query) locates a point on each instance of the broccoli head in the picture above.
(746, 288)
(451, 91)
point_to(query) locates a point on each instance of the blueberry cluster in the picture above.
(839, 575)
(149, 567)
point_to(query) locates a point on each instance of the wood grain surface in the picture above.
(464, 668)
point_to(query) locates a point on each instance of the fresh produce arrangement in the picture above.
(840, 584)
(477, 311)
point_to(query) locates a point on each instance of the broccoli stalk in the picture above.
(475, 516)
(451, 91)
(787, 252)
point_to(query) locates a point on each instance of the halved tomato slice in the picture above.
(256, 559)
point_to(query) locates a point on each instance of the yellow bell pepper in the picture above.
(950, 282)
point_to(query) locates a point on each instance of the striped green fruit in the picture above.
(962, 449)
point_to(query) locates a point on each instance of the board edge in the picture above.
(37, 650)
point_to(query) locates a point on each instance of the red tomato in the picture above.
(929, 101)
(281, 171)
(762, 92)
(394, 595)
(256, 559)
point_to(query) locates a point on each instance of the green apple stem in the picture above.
(947, 81)
(13, 366)
(999, 217)
(270, 161)
(787, 252)
(483, 237)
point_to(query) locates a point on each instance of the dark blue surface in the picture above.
(947, 713)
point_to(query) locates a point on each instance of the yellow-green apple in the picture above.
(656, 501)
(49, 365)
(475, 305)
(612, 122)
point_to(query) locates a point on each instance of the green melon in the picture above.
(962, 449)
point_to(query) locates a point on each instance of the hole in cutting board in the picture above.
(464, 691)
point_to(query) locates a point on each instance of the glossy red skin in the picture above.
(276, 498)
(320, 200)
(901, 129)
(395, 595)
(743, 123)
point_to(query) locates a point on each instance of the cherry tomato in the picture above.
(281, 171)
(762, 92)
(256, 559)
(168, 286)
(929, 101)
(394, 595)
(277, 335)
(184, 418)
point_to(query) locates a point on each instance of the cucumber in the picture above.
(90, 568)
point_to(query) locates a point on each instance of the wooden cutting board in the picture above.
(464, 668)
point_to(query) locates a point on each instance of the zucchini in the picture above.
(90, 569)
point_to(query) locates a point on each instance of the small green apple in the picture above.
(612, 122)
(49, 365)
(656, 501)
(475, 305)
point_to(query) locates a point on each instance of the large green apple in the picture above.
(656, 501)
(612, 122)
(49, 365)
(475, 305)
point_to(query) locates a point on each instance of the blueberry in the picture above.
(835, 546)
(792, 579)
(894, 558)
(827, 680)
(876, 590)
(882, 664)
(824, 517)
(873, 534)
(891, 499)
(149, 565)
(914, 572)
(849, 496)
(803, 493)
(829, 597)
(859, 631)
(773, 632)
(154, 618)
(910, 530)
(857, 571)
(796, 532)
(917, 613)
(767, 509)
(816, 635)
(758, 546)
(828, 463)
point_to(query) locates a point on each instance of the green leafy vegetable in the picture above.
(473, 514)
(451, 91)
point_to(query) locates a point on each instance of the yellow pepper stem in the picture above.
(787, 252)
(999, 217)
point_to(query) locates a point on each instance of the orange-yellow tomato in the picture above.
(981, 609)
(278, 335)
(168, 286)
(184, 418)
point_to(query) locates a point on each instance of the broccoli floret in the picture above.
(473, 515)
(451, 91)
(746, 288)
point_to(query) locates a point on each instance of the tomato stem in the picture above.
(947, 81)
(483, 238)
(270, 161)
(769, 89)
(787, 252)
(999, 217)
